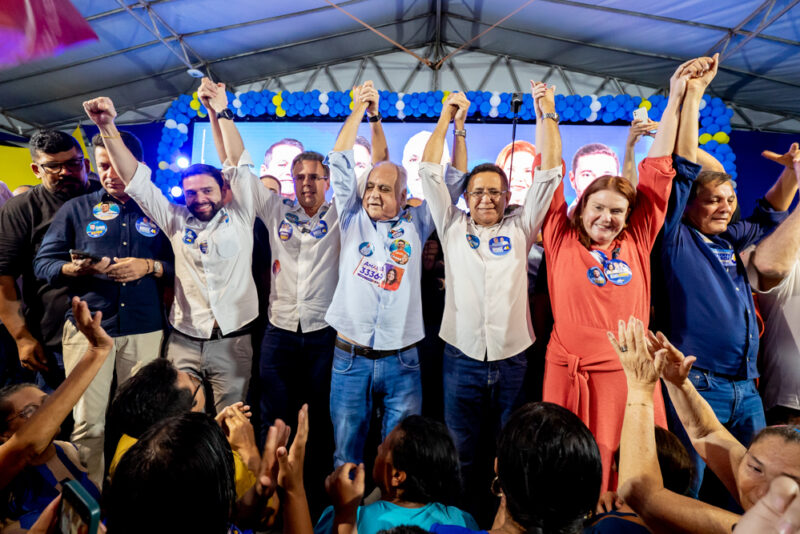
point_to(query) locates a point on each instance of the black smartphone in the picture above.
(82, 254)
(78, 513)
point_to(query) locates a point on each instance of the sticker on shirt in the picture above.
(106, 211)
(204, 247)
(292, 218)
(596, 276)
(288, 202)
(400, 251)
(392, 277)
(500, 245)
(365, 248)
(322, 211)
(407, 216)
(473, 241)
(617, 272)
(726, 256)
(96, 229)
(146, 227)
(285, 231)
(370, 271)
(394, 233)
(189, 236)
(227, 219)
(276, 267)
(320, 230)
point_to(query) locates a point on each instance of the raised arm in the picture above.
(781, 194)
(548, 138)
(777, 254)
(101, 111)
(435, 145)
(664, 143)
(37, 433)
(214, 97)
(216, 133)
(347, 135)
(637, 130)
(380, 150)
(699, 73)
(460, 139)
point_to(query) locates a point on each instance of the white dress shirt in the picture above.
(368, 306)
(486, 312)
(305, 255)
(213, 259)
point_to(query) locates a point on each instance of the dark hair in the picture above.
(52, 142)
(425, 450)
(487, 167)
(677, 468)
(148, 397)
(790, 433)
(404, 529)
(617, 184)
(201, 168)
(593, 148)
(363, 141)
(131, 141)
(310, 155)
(549, 468)
(285, 141)
(708, 178)
(179, 477)
(6, 408)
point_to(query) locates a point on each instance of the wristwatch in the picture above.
(158, 269)
(225, 114)
(553, 116)
(375, 118)
(461, 133)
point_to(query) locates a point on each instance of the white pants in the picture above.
(129, 354)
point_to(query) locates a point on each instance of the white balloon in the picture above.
(236, 103)
(494, 101)
(174, 167)
(171, 123)
(237, 94)
(324, 109)
(703, 103)
(595, 105)
(400, 96)
(493, 112)
(182, 128)
(593, 97)
(401, 115)
(400, 105)
(240, 113)
(592, 117)
(323, 97)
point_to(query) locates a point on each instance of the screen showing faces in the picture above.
(589, 151)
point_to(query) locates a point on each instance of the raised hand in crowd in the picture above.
(206, 93)
(691, 79)
(235, 422)
(639, 128)
(537, 91)
(296, 515)
(786, 159)
(345, 486)
(212, 95)
(102, 112)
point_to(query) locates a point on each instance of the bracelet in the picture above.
(375, 118)
(149, 266)
(117, 136)
(460, 133)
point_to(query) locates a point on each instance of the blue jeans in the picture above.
(474, 388)
(737, 405)
(357, 382)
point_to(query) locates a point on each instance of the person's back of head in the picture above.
(677, 468)
(425, 451)
(549, 469)
(179, 477)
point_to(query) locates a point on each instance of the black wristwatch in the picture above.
(225, 114)
(375, 118)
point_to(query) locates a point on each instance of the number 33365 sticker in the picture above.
(385, 276)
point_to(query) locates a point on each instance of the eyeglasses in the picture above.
(312, 177)
(25, 413)
(494, 194)
(73, 165)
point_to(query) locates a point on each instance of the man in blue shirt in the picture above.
(705, 305)
(104, 249)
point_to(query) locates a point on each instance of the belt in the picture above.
(217, 334)
(720, 375)
(367, 352)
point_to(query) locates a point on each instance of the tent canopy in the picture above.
(601, 47)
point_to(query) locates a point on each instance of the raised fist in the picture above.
(100, 110)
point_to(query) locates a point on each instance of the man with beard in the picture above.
(215, 296)
(106, 251)
(57, 160)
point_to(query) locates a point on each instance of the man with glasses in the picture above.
(486, 323)
(37, 326)
(106, 251)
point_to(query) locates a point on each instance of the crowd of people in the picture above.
(241, 361)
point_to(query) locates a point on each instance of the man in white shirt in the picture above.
(487, 323)
(774, 272)
(376, 308)
(215, 296)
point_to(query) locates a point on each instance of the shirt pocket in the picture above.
(226, 242)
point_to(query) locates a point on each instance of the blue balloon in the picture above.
(438, 95)
(713, 128)
(561, 105)
(730, 156)
(570, 100)
(621, 113)
(438, 107)
(503, 108)
(568, 114)
(707, 121)
(726, 128)
(710, 146)
(586, 100)
(422, 108)
(722, 119)
(585, 112)
(608, 117)
(485, 108)
(429, 100)
(612, 106)
(391, 111)
(471, 95)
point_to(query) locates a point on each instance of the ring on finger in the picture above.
(623, 349)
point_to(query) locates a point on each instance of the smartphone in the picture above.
(640, 114)
(78, 513)
(82, 254)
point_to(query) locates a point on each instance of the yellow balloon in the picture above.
(446, 94)
(201, 115)
(645, 104)
(721, 138)
(277, 99)
(194, 95)
(163, 165)
(194, 104)
(705, 138)
(351, 94)
(280, 112)
(351, 104)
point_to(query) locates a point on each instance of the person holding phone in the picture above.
(120, 266)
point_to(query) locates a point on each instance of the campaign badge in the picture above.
(394, 233)
(473, 241)
(500, 245)
(146, 227)
(204, 247)
(400, 251)
(284, 231)
(322, 211)
(276, 267)
(371, 272)
(288, 202)
(292, 218)
(227, 219)
(407, 216)
(618, 272)
(365, 248)
(96, 229)
(106, 211)
(596, 276)
(189, 236)
(320, 230)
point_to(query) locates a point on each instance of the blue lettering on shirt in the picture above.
(320, 230)
(595, 276)
(285, 231)
(96, 229)
(146, 227)
(500, 245)
(618, 272)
